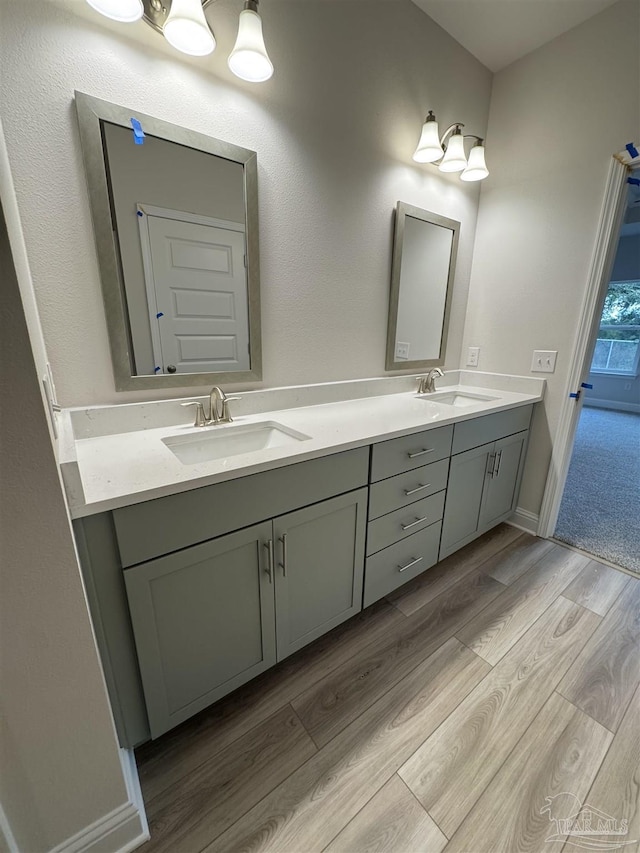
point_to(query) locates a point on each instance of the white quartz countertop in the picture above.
(117, 465)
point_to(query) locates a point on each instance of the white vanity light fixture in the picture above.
(187, 30)
(450, 155)
(124, 11)
(476, 167)
(454, 159)
(183, 24)
(429, 148)
(249, 59)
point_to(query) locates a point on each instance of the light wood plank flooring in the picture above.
(470, 712)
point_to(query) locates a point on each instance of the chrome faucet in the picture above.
(218, 409)
(427, 384)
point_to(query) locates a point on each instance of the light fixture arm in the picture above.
(479, 139)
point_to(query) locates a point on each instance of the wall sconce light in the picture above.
(183, 24)
(431, 148)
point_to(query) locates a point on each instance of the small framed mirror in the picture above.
(422, 271)
(175, 216)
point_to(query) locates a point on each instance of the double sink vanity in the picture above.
(220, 538)
(211, 553)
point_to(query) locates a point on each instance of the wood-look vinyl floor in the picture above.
(472, 711)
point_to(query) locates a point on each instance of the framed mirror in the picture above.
(175, 216)
(422, 271)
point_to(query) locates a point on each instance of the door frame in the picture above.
(604, 251)
(143, 211)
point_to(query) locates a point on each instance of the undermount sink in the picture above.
(220, 442)
(459, 399)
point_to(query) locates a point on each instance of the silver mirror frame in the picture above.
(402, 211)
(91, 112)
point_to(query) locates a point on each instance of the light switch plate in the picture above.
(402, 351)
(544, 361)
(473, 356)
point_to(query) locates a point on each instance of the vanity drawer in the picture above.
(390, 568)
(488, 428)
(407, 488)
(404, 522)
(157, 527)
(410, 451)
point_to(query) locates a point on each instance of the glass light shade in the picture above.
(187, 30)
(248, 59)
(124, 11)
(429, 148)
(476, 167)
(454, 159)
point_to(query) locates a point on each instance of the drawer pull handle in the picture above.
(418, 489)
(420, 453)
(409, 565)
(496, 472)
(269, 570)
(413, 523)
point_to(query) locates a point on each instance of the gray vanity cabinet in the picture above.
(484, 482)
(319, 561)
(203, 621)
(211, 617)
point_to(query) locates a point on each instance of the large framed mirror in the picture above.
(422, 271)
(175, 216)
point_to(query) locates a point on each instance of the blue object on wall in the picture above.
(138, 132)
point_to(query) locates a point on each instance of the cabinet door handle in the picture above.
(269, 570)
(413, 523)
(412, 563)
(491, 464)
(283, 564)
(418, 489)
(420, 453)
(496, 472)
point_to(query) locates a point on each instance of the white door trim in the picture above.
(601, 265)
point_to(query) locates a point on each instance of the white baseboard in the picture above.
(524, 520)
(6, 835)
(122, 830)
(612, 404)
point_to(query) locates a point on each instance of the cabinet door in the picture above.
(503, 485)
(319, 568)
(467, 476)
(203, 621)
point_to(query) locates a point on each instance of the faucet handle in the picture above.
(226, 414)
(200, 416)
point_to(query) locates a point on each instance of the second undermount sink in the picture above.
(223, 441)
(459, 399)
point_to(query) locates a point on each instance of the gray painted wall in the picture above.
(335, 129)
(60, 761)
(538, 215)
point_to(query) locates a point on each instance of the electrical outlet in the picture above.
(473, 356)
(544, 361)
(402, 351)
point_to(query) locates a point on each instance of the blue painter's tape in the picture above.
(138, 132)
(575, 396)
(140, 213)
(157, 369)
(631, 148)
(586, 385)
(160, 314)
(634, 181)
